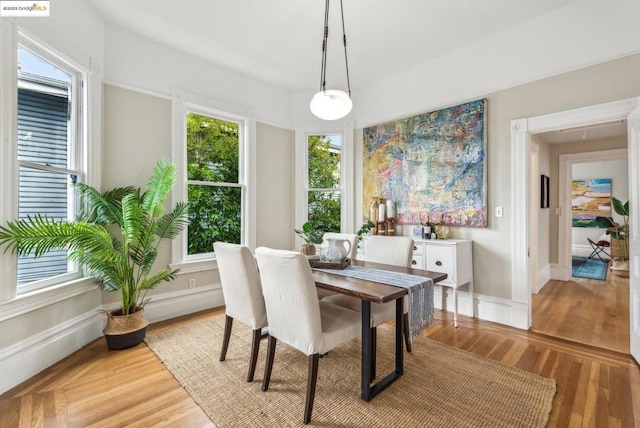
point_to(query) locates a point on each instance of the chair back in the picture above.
(291, 299)
(391, 250)
(351, 237)
(240, 284)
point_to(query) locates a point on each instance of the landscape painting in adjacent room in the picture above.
(432, 164)
(590, 199)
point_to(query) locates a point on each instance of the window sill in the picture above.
(29, 302)
(195, 266)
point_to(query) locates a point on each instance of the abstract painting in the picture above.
(432, 165)
(590, 199)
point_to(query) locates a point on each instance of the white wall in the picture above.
(136, 62)
(618, 172)
(544, 214)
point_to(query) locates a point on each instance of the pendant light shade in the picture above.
(331, 104)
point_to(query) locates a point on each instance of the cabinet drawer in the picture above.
(417, 261)
(440, 259)
(418, 248)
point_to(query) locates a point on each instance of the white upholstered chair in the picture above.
(242, 296)
(297, 317)
(390, 250)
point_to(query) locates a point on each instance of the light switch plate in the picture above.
(498, 211)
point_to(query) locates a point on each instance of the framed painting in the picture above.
(589, 199)
(433, 165)
(544, 191)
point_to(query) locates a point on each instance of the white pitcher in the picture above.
(337, 251)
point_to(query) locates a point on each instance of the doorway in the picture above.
(521, 132)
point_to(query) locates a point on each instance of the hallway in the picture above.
(586, 311)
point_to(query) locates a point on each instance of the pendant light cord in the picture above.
(323, 69)
(344, 40)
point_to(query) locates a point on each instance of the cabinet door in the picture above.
(440, 258)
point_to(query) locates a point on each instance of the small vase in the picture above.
(620, 268)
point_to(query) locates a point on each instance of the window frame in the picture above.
(347, 172)
(184, 103)
(11, 303)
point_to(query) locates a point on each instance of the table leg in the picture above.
(455, 307)
(399, 333)
(366, 350)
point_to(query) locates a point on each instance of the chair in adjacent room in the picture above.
(297, 317)
(390, 250)
(242, 293)
(600, 247)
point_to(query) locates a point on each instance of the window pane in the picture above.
(324, 161)
(45, 193)
(324, 209)
(215, 214)
(212, 149)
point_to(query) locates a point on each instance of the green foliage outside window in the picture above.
(215, 211)
(324, 173)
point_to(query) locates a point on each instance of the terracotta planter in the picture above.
(620, 268)
(125, 331)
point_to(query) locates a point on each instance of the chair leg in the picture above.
(373, 351)
(311, 386)
(405, 326)
(255, 347)
(271, 350)
(228, 322)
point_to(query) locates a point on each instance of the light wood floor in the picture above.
(585, 311)
(101, 388)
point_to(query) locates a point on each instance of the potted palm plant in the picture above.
(619, 233)
(116, 238)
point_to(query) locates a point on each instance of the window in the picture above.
(49, 154)
(324, 171)
(214, 187)
(324, 181)
(213, 150)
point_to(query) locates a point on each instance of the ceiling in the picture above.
(279, 41)
(599, 131)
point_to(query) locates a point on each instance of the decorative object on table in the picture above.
(544, 191)
(331, 104)
(427, 228)
(619, 233)
(373, 212)
(418, 232)
(583, 267)
(590, 199)
(317, 263)
(338, 250)
(366, 229)
(312, 235)
(390, 213)
(116, 239)
(442, 230)
(434, 161)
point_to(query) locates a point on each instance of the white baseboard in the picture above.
(561, 273)
(544, 276)
(30, 356)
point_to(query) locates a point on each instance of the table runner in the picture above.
(420, 292)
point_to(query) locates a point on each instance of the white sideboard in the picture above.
(450, 256)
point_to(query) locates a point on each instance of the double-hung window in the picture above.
(50, 153)
(211, 149)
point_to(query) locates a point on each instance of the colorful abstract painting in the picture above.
(590, 199)
(431, 165)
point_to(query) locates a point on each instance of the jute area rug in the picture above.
(441, 386)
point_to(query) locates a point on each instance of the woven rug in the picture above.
(441, 386)
(582, 267)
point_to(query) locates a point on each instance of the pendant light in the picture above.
(331, 104)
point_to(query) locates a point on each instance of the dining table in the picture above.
(369, 291)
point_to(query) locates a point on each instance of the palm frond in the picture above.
(162, 180)
(171, 224)
(103, 208)
(132, 217)
(157, 278)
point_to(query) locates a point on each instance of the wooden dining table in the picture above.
(374, 292)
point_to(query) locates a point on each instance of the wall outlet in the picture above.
(192, 283)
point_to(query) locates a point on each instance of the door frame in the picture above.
(521, 176)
